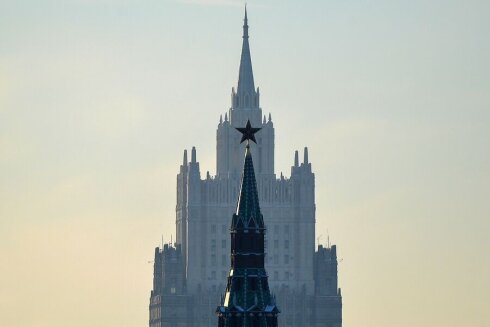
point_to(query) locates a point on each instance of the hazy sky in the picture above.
(98, 99)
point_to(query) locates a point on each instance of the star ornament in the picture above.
(248, 133)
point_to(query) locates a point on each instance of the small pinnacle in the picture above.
(193, 155)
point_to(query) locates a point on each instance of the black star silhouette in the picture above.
(248, 132)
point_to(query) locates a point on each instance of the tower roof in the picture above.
(245, 76)
(248, 213)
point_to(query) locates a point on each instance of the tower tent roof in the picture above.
(245, 77)
(248, 209)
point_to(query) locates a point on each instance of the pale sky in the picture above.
(98, 99)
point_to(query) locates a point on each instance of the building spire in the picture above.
(245, 77)
(248, 208)
(245, 24)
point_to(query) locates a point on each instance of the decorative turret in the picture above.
(247, 301)
(168, 281)
(184, 160)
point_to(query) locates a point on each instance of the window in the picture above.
(286, 259)
(213, 259)
(276, 275)
(223, 244)
(223, 229)
(213, 245)
(223, 260)
(276, 244)
(276, 259)
(286, 244)
(213, 228)
(213, 274)
(286, 229)
(276, 229)
(286, 275)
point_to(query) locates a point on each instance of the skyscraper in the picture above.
(303, 280)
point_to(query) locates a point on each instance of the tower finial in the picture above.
(246, 84)
(245, 24)
(248, 132)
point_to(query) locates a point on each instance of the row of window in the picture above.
(213, 244)
(273, 259)
(286, 276)
(224, 244)
(225, 229)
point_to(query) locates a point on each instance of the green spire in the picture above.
(248, 209)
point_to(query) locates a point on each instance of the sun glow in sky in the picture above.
(98, 100)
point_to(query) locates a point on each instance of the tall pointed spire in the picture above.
(245, 24)
(245, 77)
(248, 209)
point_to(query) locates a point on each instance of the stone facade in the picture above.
(303, 280)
